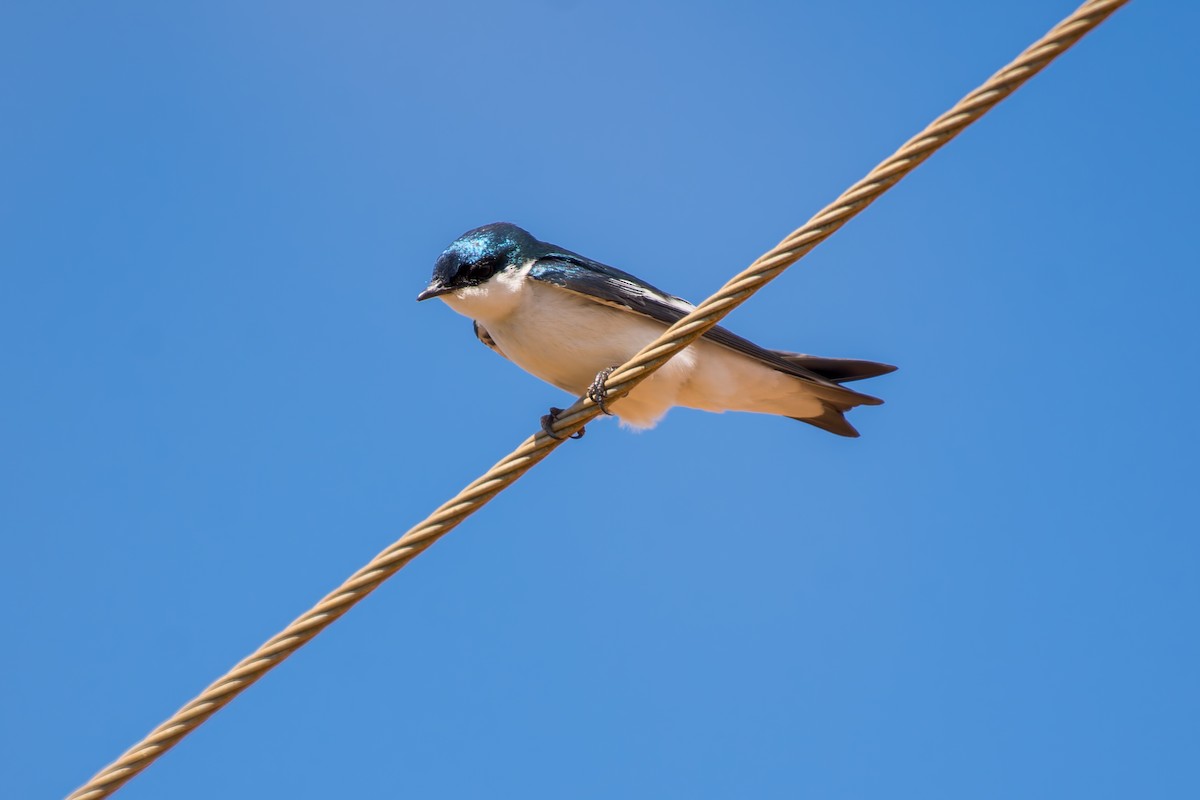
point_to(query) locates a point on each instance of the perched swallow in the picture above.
(570, 320)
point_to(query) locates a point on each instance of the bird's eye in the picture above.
(484, 268)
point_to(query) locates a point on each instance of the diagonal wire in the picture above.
(620, 383)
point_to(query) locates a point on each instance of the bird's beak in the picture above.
(433, 290)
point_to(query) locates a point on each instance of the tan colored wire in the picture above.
(619, 383)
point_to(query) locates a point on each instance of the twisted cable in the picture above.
(619, 383)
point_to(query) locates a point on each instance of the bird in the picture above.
(570, 321)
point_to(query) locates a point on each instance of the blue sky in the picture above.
(220, 398)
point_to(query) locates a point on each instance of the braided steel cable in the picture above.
(619, 383)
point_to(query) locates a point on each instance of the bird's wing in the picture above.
(608, 285)
(481, 333)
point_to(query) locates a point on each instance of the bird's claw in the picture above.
(597, 393)
(548, 421)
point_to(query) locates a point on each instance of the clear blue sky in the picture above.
(220, 398)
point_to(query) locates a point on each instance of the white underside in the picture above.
(565, 339)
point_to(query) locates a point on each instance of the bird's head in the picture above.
(479, 255)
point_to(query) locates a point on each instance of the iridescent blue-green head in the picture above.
(479, 255)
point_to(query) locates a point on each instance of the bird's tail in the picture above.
(837, 400)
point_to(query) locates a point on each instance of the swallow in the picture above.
(570, 321)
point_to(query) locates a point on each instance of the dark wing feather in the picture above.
(840, 370)
(611, 286)
(481, 333)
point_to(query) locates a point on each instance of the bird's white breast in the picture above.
(565, 339)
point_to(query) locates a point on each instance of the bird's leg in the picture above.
(597, 393)
(548, 421)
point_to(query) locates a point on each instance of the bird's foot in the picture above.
(597, 393)
(548, 421)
